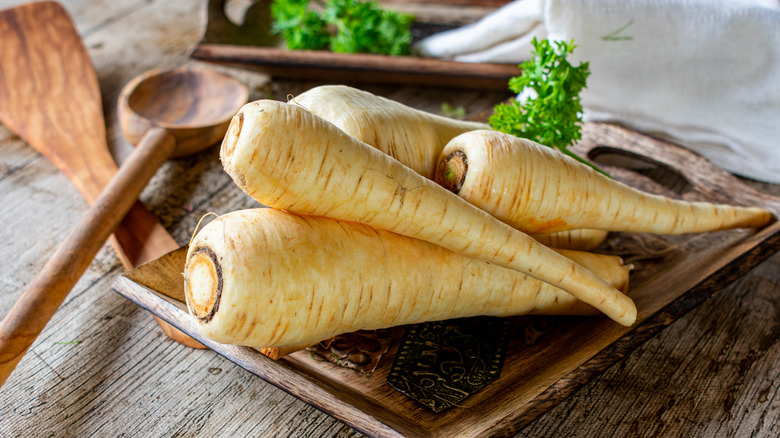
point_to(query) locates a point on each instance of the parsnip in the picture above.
(539, 190)
(287, 158)
(582, 239)
(269, 278)
(413, 137)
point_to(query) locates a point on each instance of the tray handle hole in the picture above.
(657, 171)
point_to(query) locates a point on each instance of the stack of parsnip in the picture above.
(360, 236)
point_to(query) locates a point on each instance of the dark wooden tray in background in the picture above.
(549, 357)
(251, 44)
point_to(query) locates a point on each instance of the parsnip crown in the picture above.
(203, 285)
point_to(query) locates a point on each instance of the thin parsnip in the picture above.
(287, 158)
(413, 137)
(539, 190)
(270, 278)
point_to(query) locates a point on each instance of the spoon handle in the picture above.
(22, 325)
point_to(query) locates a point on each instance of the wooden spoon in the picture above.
(49, 96)
(186, 110)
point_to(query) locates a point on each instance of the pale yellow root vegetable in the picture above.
(548, 300)
(537, 189)
(413, 137)
(270, 278)
(287, 158)
(582, 239)
(552, 301)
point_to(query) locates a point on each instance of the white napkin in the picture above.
(703, 73)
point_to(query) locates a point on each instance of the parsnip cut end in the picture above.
(203, 286)
(451, 172)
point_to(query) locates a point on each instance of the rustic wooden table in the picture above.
(102, 367)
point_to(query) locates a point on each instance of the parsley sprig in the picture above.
(552, 113)
(343, 26)
(301, 28)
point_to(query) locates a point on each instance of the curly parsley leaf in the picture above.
(552, 113)
(301, 28)
(358, 27)
(364, 27)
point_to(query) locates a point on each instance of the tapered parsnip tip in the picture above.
(203, 283)
(451, 171)
(277, 353)
(763, 217)
(629, 318)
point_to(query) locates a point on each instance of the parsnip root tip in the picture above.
(197, 226)
(629, 318)
(451, 172)
(203, 284)
(277, 353)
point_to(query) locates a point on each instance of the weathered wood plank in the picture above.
(712, 373)
(125, 377)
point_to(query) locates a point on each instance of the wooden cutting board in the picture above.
(549, 357)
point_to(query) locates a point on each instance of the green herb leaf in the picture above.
(552, 114)
(301, 29)
(358, 27)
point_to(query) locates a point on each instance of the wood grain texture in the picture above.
(41, 299)
(193, 104)
(226, 42)
(52, 100)
(570, 351)
(49, 95)
(360, 68)
(103, 368)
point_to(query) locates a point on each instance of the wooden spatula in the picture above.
(49, 96)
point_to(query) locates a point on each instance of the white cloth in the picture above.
(703, 73)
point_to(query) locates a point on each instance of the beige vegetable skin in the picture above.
(583, 239)
(287, 158)
(413, 137)
(270, 278)
(539, 190)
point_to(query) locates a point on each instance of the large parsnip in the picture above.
(413, 137)
(269, 278)
(287, 158)
(537, 189)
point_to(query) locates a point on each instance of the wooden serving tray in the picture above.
(252, 44)
(549, 357)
